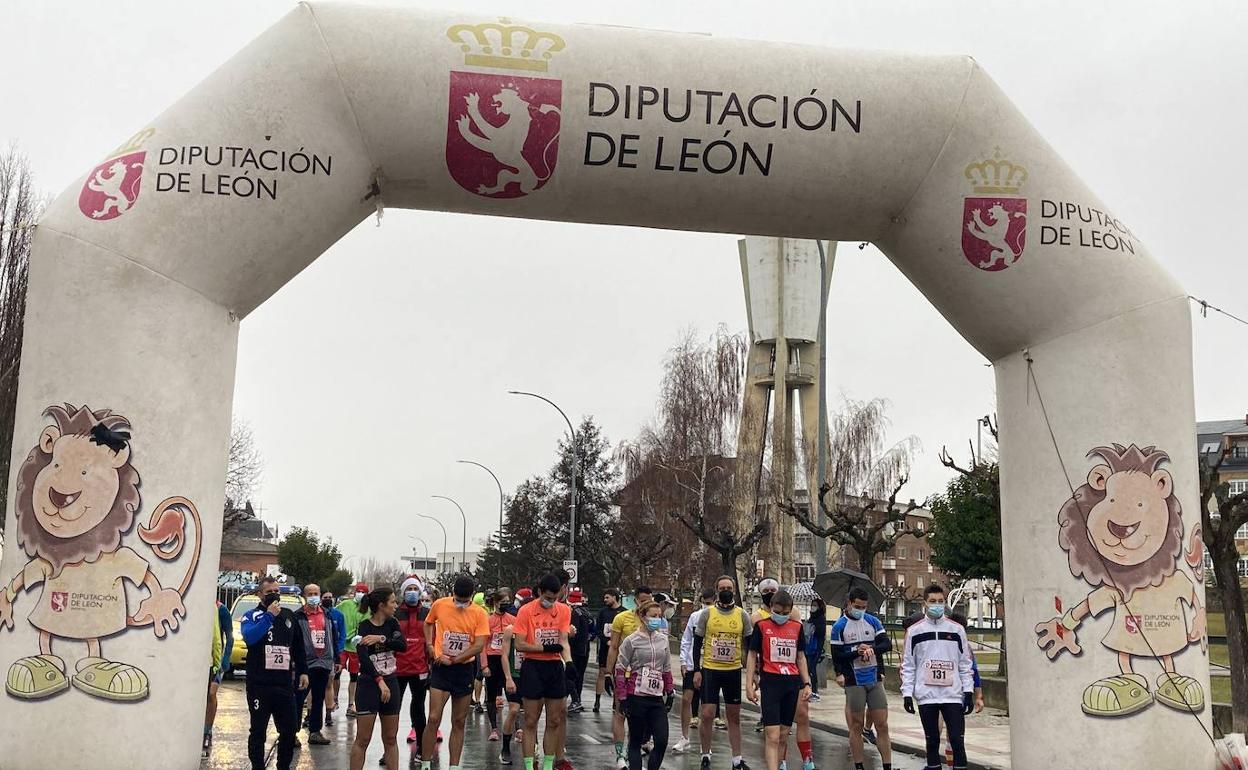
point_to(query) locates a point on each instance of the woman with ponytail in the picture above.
(377, 639)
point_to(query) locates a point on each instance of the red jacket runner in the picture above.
(413, 661)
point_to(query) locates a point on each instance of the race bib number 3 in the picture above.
(454, 643)
(938, 673)
(724, 650)
(276, 657)
(783, 650)
(385, 663)
(649, 681)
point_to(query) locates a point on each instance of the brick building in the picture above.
(1230, 439)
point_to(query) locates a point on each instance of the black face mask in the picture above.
(767, 599)
(270, 597)
(726, 597)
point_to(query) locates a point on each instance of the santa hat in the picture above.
(413, 583)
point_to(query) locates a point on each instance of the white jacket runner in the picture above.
(936, 662)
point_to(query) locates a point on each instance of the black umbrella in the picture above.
(834, 587)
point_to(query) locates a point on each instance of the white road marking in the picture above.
(591, 739)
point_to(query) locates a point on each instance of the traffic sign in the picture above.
(569, 566)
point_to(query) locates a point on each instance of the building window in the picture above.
(918, 554)
(920, 527)
(1242, 567)
(1242, 532)
(1238, 487)
(804, 571)
(901, 552)
(1208, 563)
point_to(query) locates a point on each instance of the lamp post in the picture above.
(463, 555)
(576, 469)
(425, 563)
(500, 491)
(435, 521)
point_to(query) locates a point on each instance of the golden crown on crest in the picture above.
(505, 45)
(996, 175)
(134, 143)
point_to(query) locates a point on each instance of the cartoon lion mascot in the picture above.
(77, 496)
(1123, 535)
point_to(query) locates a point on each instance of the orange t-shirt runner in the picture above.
(538, 625)
(499, 622)
(455, 628)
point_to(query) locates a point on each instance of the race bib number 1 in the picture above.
(649, 681)
(938, 673)
(454, 643)
(385, 663)
(276, 657)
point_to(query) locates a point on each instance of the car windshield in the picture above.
(249, 602)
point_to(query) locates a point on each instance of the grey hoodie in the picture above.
(326, 658)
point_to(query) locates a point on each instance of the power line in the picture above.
(1205, 307)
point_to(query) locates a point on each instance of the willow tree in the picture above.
(682, 466)
(19, 209)
(865, 475)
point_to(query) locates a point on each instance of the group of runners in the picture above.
(523, 657)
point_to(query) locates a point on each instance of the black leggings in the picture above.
(416, 710)
(495, 682)
(955, 723)
(647, 717)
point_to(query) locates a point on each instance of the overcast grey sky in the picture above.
(400, 342)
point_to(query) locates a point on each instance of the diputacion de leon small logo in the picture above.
(994, 223)
(502, 134)
(112, 188)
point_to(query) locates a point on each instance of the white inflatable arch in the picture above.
(142, 271)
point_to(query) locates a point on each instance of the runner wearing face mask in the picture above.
(541, 633)
(776, 655)
(492, 660)
(625, 623)
(456, 631)
(319, 644)
(858, 643)
(340, 642)
(689, 702)
(275, 658)
(767, 588)
(936, 672)
(413, 663)
(352, 615)
(643, 682)
(611, 607)
(719, 655)
(377, 640)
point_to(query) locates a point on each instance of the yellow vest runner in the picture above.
(723, 644)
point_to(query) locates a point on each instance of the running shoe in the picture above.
(504, 756)
(597, 702)
(622, 764)
(647, 747)
(758, 726)
(814, 696)
(706, 763)
(681, 746)
(411, 735)
(742, 765)
(720, 724)
(693, 723)
(329, 719)
(809, 765)
(351, 711)
(563, 764)
(868, 735)
(318, 739)
(575, 708)
(207, 745)
(494, 736)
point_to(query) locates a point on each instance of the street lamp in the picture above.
(425, 563)
(576, 469)
(435, 521)
(500, 492)
(463, 555)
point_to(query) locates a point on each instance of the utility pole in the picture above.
(576, 469)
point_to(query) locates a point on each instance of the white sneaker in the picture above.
(681, 746)
(621, 763)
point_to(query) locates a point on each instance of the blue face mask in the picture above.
(411, 598)
(314, 601)
(936, 611)
(654, 624)
(856, 613)
(779, 619)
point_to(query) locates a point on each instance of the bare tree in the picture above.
(242, 475)
(1221, 516)
(19, 210)
(681, 467)
(865, 475)
(380, 572)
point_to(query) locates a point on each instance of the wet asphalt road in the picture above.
(590, 744)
